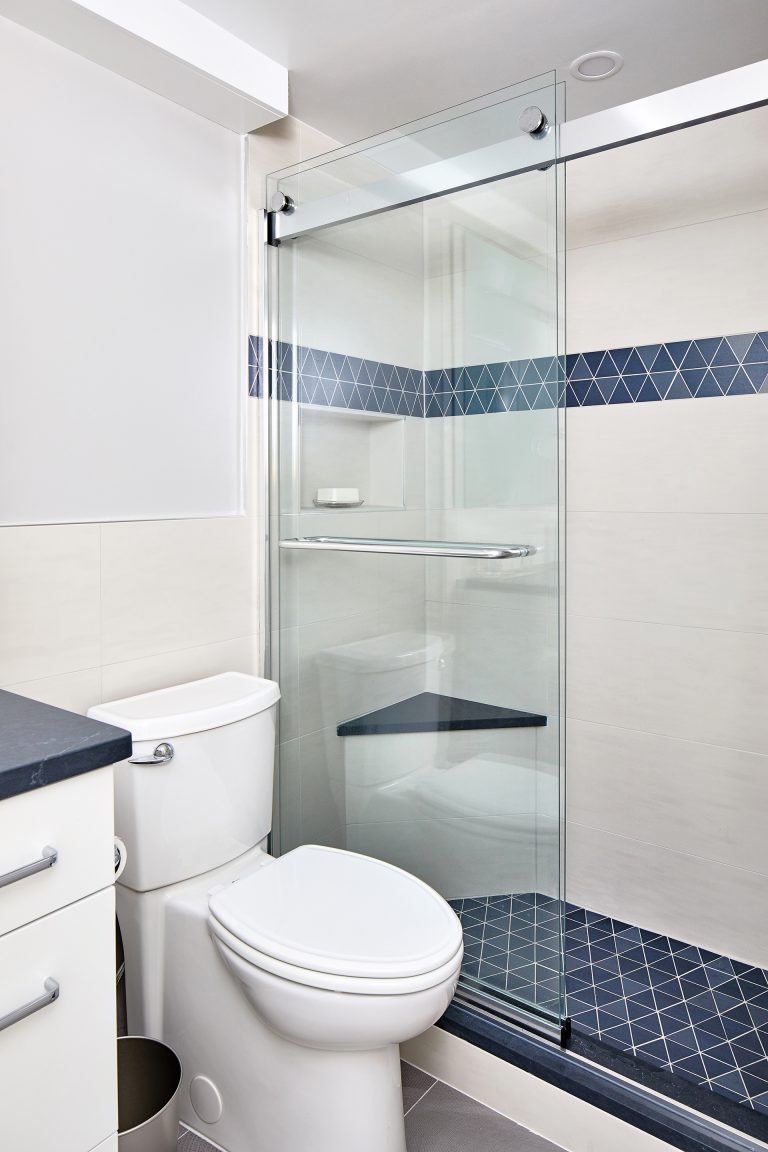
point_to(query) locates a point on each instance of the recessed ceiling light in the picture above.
(597, 65)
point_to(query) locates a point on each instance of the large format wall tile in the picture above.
(460, 857)
(675, 284)
(686, 897)
(703, 570)
(175, 584)
(688, 797)
(706, 172)
(75, 691)
(153, 672)
(505, 657)
(49, 600)
(694, 683)
(704, 456)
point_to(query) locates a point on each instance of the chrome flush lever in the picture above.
(163, 754)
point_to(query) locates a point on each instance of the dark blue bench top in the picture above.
(42, 745)
(430, 712)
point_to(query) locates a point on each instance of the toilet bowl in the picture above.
(285, 985)
(322, 922)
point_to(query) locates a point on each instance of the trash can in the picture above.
(148, 1083)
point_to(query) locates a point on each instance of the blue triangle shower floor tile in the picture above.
(692, 1012)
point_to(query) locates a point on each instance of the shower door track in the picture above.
(477, 1000)
(697, 103)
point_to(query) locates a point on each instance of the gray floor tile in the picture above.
(446, 1121)
(415, 1084)
(439, 1119)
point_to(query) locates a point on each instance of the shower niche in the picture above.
(349, 449)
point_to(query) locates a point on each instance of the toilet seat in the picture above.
(334, 919)
(326, 981)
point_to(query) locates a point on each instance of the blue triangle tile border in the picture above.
(708, 367)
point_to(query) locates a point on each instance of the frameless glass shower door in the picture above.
(415, 367)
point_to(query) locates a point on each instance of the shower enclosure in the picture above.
(414, 362)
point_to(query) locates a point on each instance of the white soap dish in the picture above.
(337, 503)
(337, 498)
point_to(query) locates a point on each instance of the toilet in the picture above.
(284, 985)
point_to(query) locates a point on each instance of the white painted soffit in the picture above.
(169, 48)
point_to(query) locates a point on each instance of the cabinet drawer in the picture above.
(58, 1065)
(76, 819)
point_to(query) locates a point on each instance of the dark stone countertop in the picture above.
(429, 712)
(42, 745)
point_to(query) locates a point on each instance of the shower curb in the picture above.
(573, 1070)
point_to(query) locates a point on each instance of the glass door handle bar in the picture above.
(409, 547)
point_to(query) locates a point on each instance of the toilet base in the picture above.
(356, 1103)
(276, 1096)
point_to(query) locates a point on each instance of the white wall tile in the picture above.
(275, 146)
(697, 684)
(333, 585)
(689, 797)
(501, 460)
(667, 543)
(323, 819)
(313, 142)
(75, 691)
(285, 669)
(169, 585)
(153, 672)
(528, 584)
(702, 570)
(693, 899)
(702, 173)
(345, 302)
(49, 601)
(503, 657)
(702, 280)
(459, 858)
(670, 456)
(286, 816)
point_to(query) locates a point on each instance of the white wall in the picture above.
(90, 612)
(667, 548)
(122, 356)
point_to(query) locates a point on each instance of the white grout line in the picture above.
(426, 1093)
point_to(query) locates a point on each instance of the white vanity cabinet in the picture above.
(58, 1076)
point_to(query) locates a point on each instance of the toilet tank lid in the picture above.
(194, 707)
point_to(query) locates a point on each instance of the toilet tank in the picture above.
(212, 800)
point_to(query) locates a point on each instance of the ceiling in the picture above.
(358, 67)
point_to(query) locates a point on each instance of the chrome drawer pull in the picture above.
(47, 860)
(51, 993)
